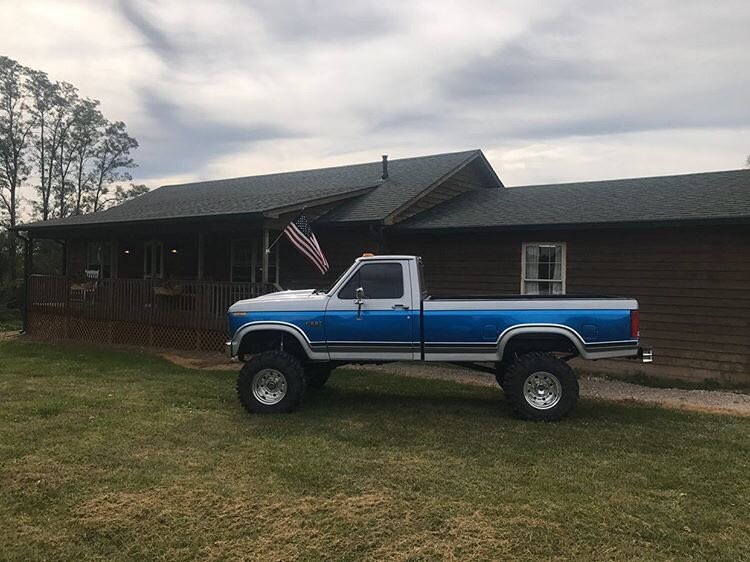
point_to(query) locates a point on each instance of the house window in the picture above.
(246, 263)
(99, 258)
(153, 259)
(243, 260)
(543, 269)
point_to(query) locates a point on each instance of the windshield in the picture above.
(332, 285)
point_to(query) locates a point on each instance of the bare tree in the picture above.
(122, 194)
(64, 158)
(747, 161)
(53, 107)
(15, 131)
(85, 135)
(79, 159)
(44, 98)
(111, 160)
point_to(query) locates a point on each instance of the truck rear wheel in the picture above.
(541, 387)
(271, 382)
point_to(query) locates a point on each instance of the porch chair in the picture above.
(88, 287)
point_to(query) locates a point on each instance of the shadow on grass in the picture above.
(404, 397)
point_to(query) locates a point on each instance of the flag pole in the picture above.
(268, 250)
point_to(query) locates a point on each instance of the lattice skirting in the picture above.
(55, 327)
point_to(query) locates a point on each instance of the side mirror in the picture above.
(360, 294)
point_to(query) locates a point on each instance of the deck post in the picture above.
(28, 269)
(64, 257)
(28, 248)
(265, 258)
(201, 255)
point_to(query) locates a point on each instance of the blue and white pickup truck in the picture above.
(379, 311)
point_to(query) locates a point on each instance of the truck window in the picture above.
(422, 286)
(379, 281)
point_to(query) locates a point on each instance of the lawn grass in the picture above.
(10, 319)
(110, 455)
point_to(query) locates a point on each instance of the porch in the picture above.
(168, 285)
(153, 286)
(180, 314)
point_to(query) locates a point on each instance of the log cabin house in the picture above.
(161, 270)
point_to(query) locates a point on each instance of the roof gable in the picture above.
(409, 179)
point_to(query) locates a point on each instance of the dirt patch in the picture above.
(12, 335)
(712, 401)
(200, 360)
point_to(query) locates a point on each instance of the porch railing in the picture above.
(184, 304)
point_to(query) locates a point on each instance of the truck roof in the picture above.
(385, 257)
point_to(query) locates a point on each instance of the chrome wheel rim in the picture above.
(269, 386)
(542, 390)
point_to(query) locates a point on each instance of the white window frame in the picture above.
(563, 266)
(253, 257)
(155, 245)
(105, 254)
(256, 259)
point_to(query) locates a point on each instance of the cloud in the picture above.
(558, 90)
(332, 21)
(178, 137)
(134, 13)
(515, 71)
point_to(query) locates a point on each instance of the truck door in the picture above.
(379, 325)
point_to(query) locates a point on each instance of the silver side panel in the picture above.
(449, 357)
(369, 356)
(624, 353)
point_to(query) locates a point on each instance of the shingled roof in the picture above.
(408, 178)
(266, 193)
(710, 196)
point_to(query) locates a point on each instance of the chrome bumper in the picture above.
(228, 349)
(646, 354)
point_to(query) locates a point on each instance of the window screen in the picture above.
(379, 281)
(543, 269)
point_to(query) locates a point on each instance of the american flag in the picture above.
(301, 235)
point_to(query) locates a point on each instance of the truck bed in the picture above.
(501, 297)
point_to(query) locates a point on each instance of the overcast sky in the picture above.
(551, 91)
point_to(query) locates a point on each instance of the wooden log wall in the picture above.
(692, 283)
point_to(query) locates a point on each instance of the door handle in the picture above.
(400, 307)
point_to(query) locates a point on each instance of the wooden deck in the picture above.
(149, 312)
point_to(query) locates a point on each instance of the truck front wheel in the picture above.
(540, 387)
(271, 382)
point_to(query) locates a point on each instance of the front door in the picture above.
(379, 326)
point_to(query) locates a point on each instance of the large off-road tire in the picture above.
(271, 382)
(500, 369)
(540, 387)
(317, 374)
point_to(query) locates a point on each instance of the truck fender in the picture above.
(276, 326)
(556, 329)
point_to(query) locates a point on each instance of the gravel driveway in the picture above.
(714, 401)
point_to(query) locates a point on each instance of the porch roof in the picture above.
(272, 194)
